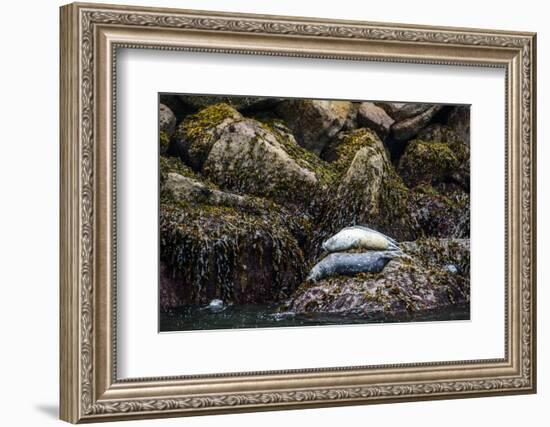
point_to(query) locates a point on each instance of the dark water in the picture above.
(267, 316)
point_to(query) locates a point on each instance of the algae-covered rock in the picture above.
(441, 215)
(437, 132)
(186, 189)
(427, 163)
(227, 253)
(314, 122)
(255, 158)
(370, 192)
(164, 142)
(217, 244)
(435, 274)
(371, 116)
(440, 133)
(409, 127)
(195, 136)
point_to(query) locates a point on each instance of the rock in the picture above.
(164, 143)
(186, 189)
(427, 163)
(238, 255)
(371, 116)
(314, 122)
(437, 132)
(421, 282)
(407, 128)
(459, 121)
(399, 111)
(167, 120)
(173, 102)
(195, 136)
(240, 103)
(440, 133)
(369, 191)
(441, 252)
(441, 215)
(262, 160)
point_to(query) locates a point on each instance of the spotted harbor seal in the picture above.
(359, 237)
(350, 264)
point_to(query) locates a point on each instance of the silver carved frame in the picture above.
(90, 36)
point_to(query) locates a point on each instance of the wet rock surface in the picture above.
(436, 274)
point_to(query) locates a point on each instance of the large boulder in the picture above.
(372, 116)
(435, 274)
(407, 128)
(314, 122)
(369, 191)
(265, 160)
(427, 163)
(217, 244)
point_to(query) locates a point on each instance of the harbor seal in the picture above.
(359, 237)
(350, 264)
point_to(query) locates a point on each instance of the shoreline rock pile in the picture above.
(252, 190)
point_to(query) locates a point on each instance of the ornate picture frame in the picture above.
(90, 37)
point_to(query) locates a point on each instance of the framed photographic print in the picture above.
(266, 212)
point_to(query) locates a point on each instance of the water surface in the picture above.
(192, 317)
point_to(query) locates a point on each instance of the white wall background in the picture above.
(29, 170)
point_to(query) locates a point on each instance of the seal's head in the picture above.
(330, 245)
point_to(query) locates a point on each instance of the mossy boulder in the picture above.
(185, 189)
(435, 274)
(217, 244)
(197, 133)
(314, 122)
(438, 132)
(427, 163)
(369, 191)
(265, 160)
(226, 253)
(164, 142)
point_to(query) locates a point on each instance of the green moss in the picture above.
(196, 132)
(348, 146)
(207, 247)
(164, 141)
(427, 162)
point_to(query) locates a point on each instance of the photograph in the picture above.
(278, 212)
